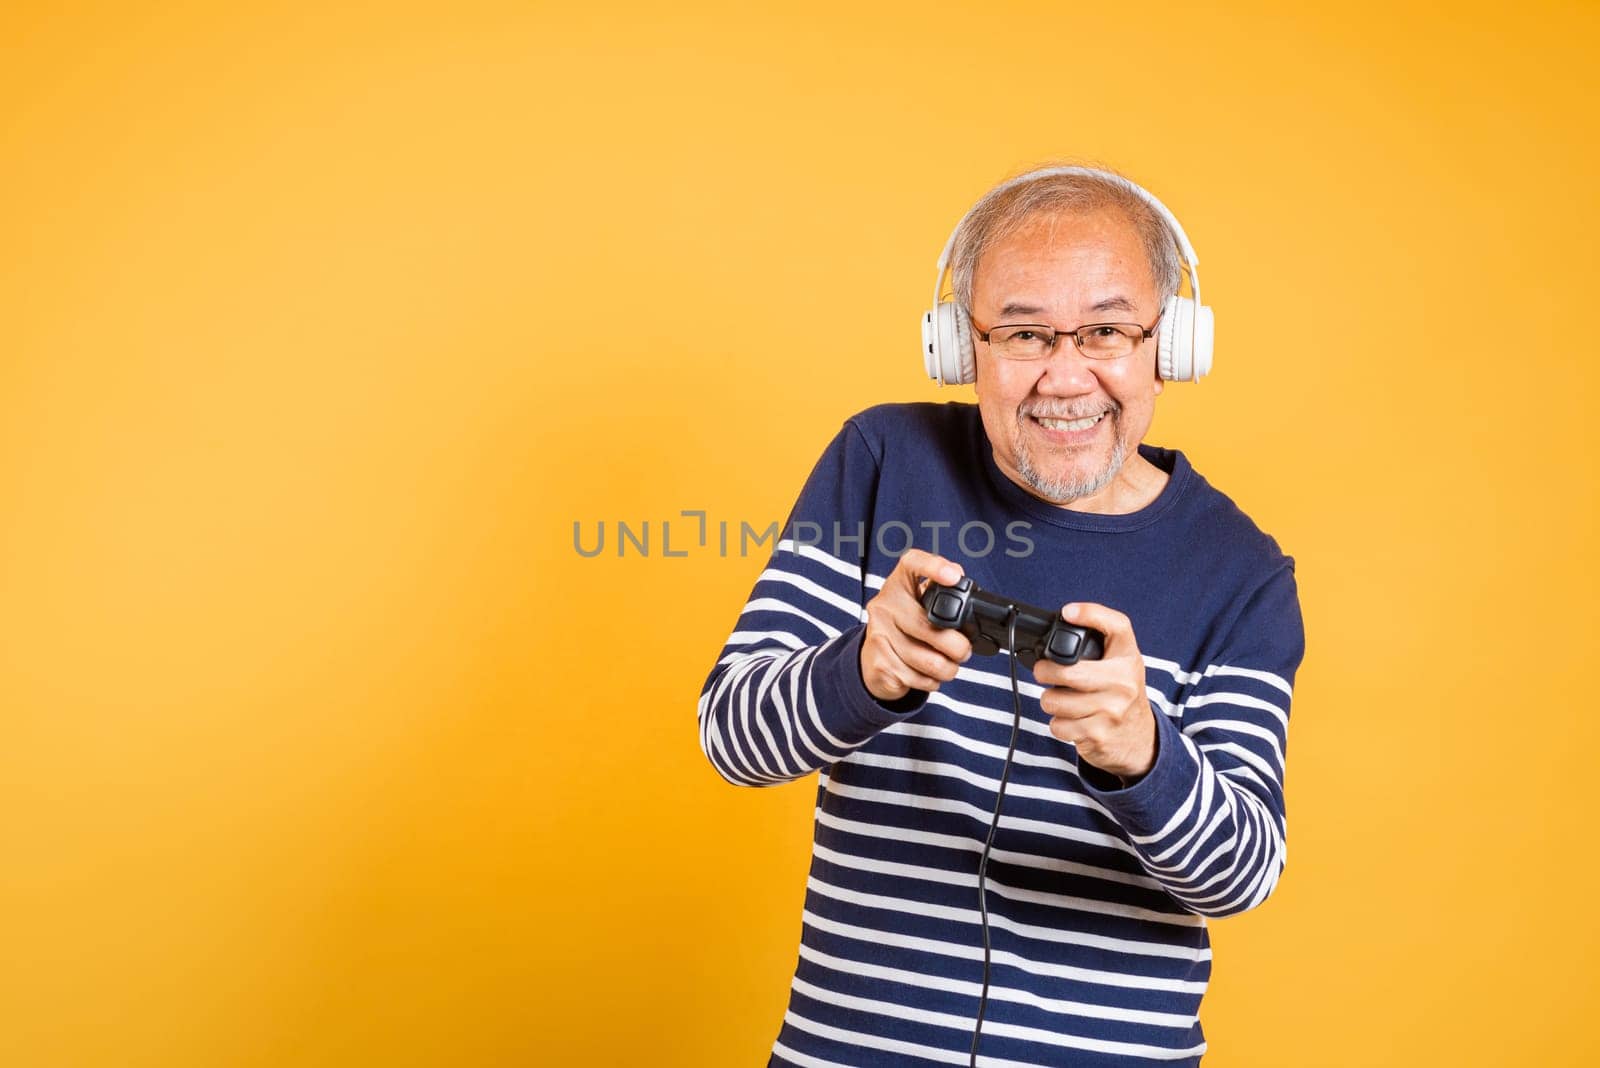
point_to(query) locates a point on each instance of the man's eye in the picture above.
(1104, 333)
(1024, 335)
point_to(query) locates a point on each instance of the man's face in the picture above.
(1066, 271)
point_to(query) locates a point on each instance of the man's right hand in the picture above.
(902, 651)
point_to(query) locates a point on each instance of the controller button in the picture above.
(947, 606)
(1063, 645)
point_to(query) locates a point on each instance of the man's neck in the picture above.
(1137, 484)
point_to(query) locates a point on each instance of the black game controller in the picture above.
(983, 616)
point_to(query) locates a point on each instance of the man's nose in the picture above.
(1067, 371)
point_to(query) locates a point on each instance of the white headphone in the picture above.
(1184, 341)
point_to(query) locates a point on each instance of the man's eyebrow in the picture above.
(1113, 304)
(1019, 309)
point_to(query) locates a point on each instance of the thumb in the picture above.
(1117, 627)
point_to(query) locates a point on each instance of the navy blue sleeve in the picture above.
(1207, 820)
(786, 696)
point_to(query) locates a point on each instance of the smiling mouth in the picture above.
(1068, 424)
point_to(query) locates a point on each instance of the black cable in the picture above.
(983, 860)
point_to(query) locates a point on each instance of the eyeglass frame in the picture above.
(1077, 340)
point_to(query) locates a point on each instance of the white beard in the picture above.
(1065, 490)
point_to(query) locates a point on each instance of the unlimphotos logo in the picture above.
(974, 540)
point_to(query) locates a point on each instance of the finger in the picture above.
(1079, 733)
(947, 640)
(924, 659)
(1066, 705)
(900, 608)
(907, 679)
(887, 676)
(1117, 627)
(910, 678)
(916, 564)
(1083, 676)
(922, 682)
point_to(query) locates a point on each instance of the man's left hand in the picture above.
(1100, 705)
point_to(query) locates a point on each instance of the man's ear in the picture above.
(1160, 383)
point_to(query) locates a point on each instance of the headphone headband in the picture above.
(1181, 239)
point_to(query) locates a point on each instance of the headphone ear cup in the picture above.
(1172, 354)
(966, 359)
(930, 344)
(1183, 352)
(954, 345)
(1205, 342)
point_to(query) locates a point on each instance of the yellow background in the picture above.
(319, 743)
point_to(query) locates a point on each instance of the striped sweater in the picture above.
(1098, 895)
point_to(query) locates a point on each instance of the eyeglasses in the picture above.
(1098, 341)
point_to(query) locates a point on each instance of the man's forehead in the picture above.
(1094, 261)
(1118, 302)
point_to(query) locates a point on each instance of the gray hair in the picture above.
(1006, 208)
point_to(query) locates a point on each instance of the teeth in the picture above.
(1070, 424)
